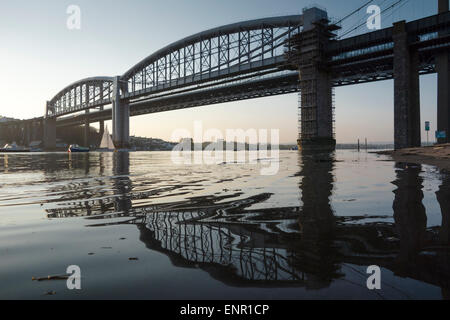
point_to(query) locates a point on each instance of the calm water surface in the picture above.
(222, 231)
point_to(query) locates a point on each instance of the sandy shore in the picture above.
(438, 155)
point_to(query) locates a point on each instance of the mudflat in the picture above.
(437, 155)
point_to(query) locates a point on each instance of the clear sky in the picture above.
(39, 56)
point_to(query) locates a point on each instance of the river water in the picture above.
(140, 226)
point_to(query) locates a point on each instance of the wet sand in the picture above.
(438, 155)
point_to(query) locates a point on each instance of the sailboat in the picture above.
(106, 144)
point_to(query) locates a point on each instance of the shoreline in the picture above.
(437, 155)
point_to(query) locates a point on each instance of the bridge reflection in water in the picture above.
(307, 246)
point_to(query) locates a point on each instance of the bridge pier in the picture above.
(36, 131)
(443, 71)
(86, 130)
(406, 91)
(49, 134)
(101, 128)
(120, 116)
(49, 128)
(3, 132)
(17, 133)
(443, 104)
(27, 133)
(316, 110)
(101, 125)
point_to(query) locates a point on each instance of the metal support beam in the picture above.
(406, 91)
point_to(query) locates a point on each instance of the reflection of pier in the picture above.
(409, 212)
(291, 246)
(234, 254)
(423, 254)
(443, 197)
(316, 218)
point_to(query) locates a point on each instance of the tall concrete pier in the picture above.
(316, 109)
(49, 128)
(406, 90)
(86, 139)
(443, 71)
(120, 115)
(101, 125)
(50, 134)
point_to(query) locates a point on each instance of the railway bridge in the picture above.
(265, 57)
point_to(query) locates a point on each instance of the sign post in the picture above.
(427, 128)
(441, 135)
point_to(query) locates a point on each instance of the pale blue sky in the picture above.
(39, 56)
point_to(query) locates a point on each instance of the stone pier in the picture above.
(406, 91)
(120, 116)
(101, 125)
(86, 140)
(443, 71)
(49, 134)
(316, 109)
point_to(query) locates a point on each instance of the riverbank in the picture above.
(437, 155)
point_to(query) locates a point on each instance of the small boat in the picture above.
(13, 147)
(77, 148)
(106, 144)
(35, 146)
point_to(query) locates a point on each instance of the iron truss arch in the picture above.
(228, 51)
(81, 95)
